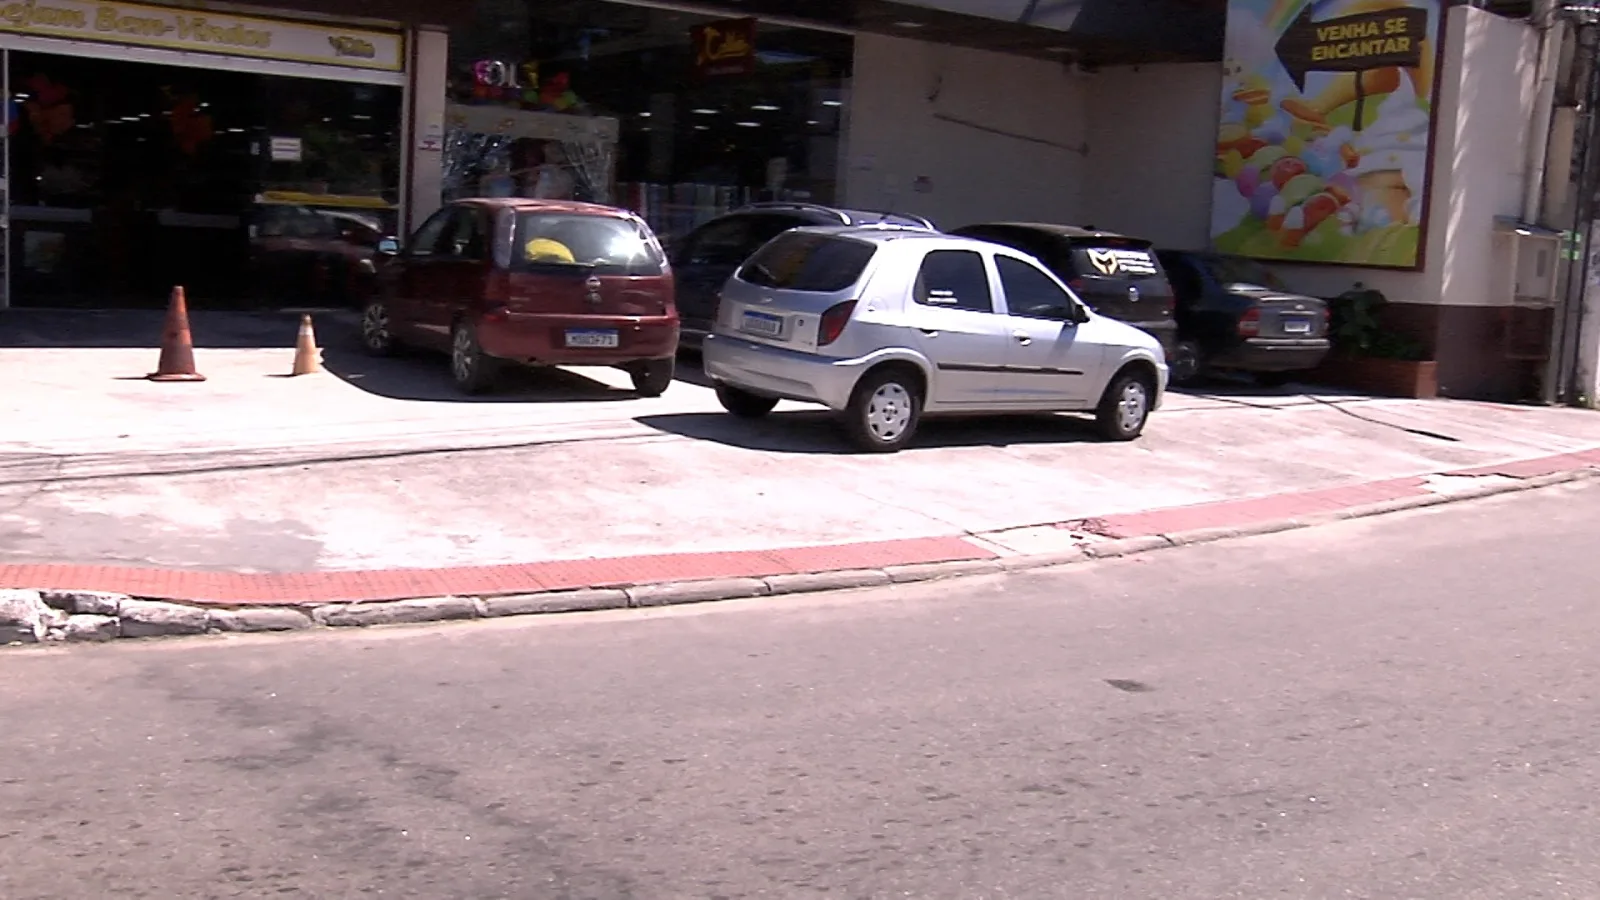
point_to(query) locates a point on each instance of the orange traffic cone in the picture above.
(177, 345)
(306, 355)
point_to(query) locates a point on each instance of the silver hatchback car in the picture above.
(885, 325)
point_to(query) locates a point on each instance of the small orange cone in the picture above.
(177, 345)
(306, 355)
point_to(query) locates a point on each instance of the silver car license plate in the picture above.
(1296, 325)
(761, 323)
(592, 337)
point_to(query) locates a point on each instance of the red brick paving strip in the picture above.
(300, 588)
(1254, 510)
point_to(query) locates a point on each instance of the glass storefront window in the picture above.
(247, 189)
(607, 102)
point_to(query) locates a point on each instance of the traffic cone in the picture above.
(306, 361)
(177, 345)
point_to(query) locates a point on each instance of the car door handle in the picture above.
(1022, 337)
(930, 332)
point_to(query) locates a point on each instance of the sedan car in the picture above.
(1236, 315)
(886, 325)
(532, 282)
(1116, 275)
(706, 256)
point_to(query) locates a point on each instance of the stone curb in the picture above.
(30, 617)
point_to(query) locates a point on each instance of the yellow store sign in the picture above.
(204, 32)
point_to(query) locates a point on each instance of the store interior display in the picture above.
(690, 141)
(249, 189)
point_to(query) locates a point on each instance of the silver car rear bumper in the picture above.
(779, 372)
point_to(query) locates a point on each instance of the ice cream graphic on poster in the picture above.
(1322, 143)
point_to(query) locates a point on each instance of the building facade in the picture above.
(256, 153)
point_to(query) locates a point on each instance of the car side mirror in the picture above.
(389, 247)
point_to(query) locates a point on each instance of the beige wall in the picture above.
(996, 136)
(1486, 93)
(1151, 134)
(430, 61)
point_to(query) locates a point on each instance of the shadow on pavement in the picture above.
(818, 432)
(423, 376)
(141, 328)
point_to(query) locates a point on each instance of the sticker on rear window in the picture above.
(1121, 262)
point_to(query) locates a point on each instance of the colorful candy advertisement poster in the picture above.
(1326, 120)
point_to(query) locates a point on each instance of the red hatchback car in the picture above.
(531, 282)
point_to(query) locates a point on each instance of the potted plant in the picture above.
(1371, 358)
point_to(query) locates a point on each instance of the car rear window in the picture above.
(818, 263)
(1113, 259)
(606, 244)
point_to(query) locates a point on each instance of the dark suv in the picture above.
(703, 259)
(1118, 276)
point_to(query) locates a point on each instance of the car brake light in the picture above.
(1250, 322)
(1327, 318)
(833, 322)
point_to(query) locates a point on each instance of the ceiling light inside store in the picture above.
(702, 128)
(646, 114)
(832, 103)
(812, 122)
(764, 107)
(748, 124)
(702, 111)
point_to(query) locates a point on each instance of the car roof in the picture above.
(522, 204)
(887, 233)
(829, 215)
(1066, 231)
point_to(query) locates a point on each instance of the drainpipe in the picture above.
(1550, 33)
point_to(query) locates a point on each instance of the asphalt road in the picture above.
(1396, 708)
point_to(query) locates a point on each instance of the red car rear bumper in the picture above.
(545, 339)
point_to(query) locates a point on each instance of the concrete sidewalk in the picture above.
(378, 464)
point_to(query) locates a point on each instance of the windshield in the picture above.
(799, 261)
(1245, 273)
(606, 244)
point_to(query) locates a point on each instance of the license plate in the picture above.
(1296, 325)
(762, 323)
(592, 337)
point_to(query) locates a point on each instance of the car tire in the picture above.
(377, 334)
(652, 377)
(1186, 364)
(1125, 407)
(472, 370)
(744, 404)
(884, 411)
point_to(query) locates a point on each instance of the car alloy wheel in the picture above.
(1132, 406)
(471, 369)
(884, 411)
(889, 412)
(1125, 408)
(1185, 363)
(375, 333)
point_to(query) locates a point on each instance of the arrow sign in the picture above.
(1373, 40)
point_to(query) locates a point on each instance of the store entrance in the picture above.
(129, 178)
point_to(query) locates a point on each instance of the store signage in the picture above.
(722, 48)
(228, 35)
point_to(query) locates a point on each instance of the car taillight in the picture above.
(1077, 286)
(1250, 322)
(1327, 318)
(833, 322)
